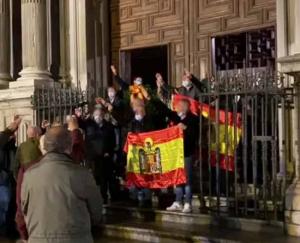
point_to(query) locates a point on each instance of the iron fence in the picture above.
(243, 155)
(55, 104)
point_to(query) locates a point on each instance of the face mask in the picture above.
(186, 83)
(98, 119)
(111, 95)
(181, 114)
(138, 81)
(138, 117)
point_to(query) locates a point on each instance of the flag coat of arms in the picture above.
(155, 159)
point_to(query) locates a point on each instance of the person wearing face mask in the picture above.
(113, 101)
(112, 96)
(99, 146)
(137, 89)
(189, 123)
(191, 86)
(138, 121)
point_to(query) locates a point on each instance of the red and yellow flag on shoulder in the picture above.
(230, 131)
(155, 159)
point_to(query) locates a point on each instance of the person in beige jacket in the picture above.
(59, 199)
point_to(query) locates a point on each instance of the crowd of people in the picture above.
(64, 171)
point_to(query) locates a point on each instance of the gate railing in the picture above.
(242, 144)
(56, 103)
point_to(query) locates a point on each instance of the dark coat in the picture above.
(100, 139)
(7, 151)
(147, 124)
(191, 133)
(63, 210)
(78, 150)
(198, 87)
(4, 137)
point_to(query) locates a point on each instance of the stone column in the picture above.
(34, 41)
(64, 70)
(105, 36)
(288, 17)
(4, 43)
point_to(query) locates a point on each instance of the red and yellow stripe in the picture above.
(230, 131)
(170, 143)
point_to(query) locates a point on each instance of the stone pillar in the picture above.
(4, 43)
(34, 41)
(105, 37)
(288, 17)
(64, 69)
(77, 43)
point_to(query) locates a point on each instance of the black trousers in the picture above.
(105, 176)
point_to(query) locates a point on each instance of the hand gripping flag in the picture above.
(155, 159)
(230, 131)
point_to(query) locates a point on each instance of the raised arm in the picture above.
(166, 111)
(200, 85)
(118, 79)
(164, 91)
(9, 131)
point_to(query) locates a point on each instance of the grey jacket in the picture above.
(60, 200)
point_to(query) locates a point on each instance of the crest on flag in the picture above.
(155, 159)
(150, 158)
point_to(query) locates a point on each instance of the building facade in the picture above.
(71, 43)
(185, 27)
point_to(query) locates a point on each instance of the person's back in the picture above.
(59, 200)
(28, 150)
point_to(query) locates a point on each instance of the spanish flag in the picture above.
(155, 159)
(230, 131)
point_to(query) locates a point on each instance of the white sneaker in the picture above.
(175, 207)
(187, 208)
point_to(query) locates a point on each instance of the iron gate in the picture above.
(243, 155)
(55, 104)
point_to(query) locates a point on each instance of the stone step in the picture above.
(99, 239)
(115, 240)
(161, 216)
(140, 230)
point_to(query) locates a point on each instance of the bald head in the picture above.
(58, 139)
(33, 132)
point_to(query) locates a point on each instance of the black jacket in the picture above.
(198, 87)
(147, 124)
(100, 139)
(4, 137)
(191, 133)
(123, 84)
